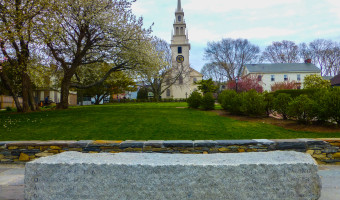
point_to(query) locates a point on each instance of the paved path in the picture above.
(12, 182)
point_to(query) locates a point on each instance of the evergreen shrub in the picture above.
(142, 94)
(332, 104)
(269, 102)
(296, 93)
(281, 104)
(302, 109)
(208, 101)
(225, 99)
(253, 103)
(194, 101)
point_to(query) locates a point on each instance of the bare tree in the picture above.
(214, 72)
(82, 32)
(324, 53)
(281, 52)
(231, 55)
(165, 71)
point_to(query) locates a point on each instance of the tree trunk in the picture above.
(28, 93)
(65, 90)
(8, 86)
(24, 88)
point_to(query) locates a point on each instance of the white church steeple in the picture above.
(180, 50)
(179, 6)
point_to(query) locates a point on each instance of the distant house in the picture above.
(268, 74)
(54, 95)
(335, 81)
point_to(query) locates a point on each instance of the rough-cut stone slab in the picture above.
(235, 142)
(271, 175)
(178, 143)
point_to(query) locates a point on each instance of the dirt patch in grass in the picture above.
(287, 124)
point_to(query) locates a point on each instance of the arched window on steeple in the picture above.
(177, 31)
(182, 31)
(179, 18)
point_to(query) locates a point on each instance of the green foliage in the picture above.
(281, 104)
(315, 81)
(9, 109)
(208, 101)
(142, 93)
(195, 99)
(302, 108)
(269, 100)
(236, 104)
(225, 99)
(253, 103)
(296, 93)
(332, 104)
(207, 86)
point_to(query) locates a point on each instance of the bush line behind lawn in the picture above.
(140, 121)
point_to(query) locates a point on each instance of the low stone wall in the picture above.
(324, 151)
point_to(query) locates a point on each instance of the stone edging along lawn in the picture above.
(324, 151)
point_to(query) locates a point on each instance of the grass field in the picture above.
(148, 121)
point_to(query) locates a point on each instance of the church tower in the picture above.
(180, 47)
(180, 42)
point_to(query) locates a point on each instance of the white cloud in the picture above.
(220, 6)
(335, 7)
(260, 33)
(200, 35)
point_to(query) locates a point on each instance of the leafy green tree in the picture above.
(116, 83)
(78, 33)
(17, 28)
(207, 86)
(314, 81)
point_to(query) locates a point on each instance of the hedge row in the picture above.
(310, 105)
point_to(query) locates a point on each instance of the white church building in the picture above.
(180, 48)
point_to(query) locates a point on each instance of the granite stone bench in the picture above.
(265, 176)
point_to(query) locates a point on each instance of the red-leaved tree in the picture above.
(286, 85)
(246, 83)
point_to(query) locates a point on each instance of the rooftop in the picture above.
(282, 68)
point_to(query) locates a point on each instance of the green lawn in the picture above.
(148, 121)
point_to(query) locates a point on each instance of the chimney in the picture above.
(308, 61)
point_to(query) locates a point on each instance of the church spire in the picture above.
(179, 6)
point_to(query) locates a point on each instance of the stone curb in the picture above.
(324, 151)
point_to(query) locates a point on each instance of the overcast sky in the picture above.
(259, 21)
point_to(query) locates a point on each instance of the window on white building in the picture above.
(272, 77)
(180, 80)
(195, 80)
(179, 49)
(168, 92)
(298, 77)
(259, 78)
(285, 77)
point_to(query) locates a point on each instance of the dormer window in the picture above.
(179, 18)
